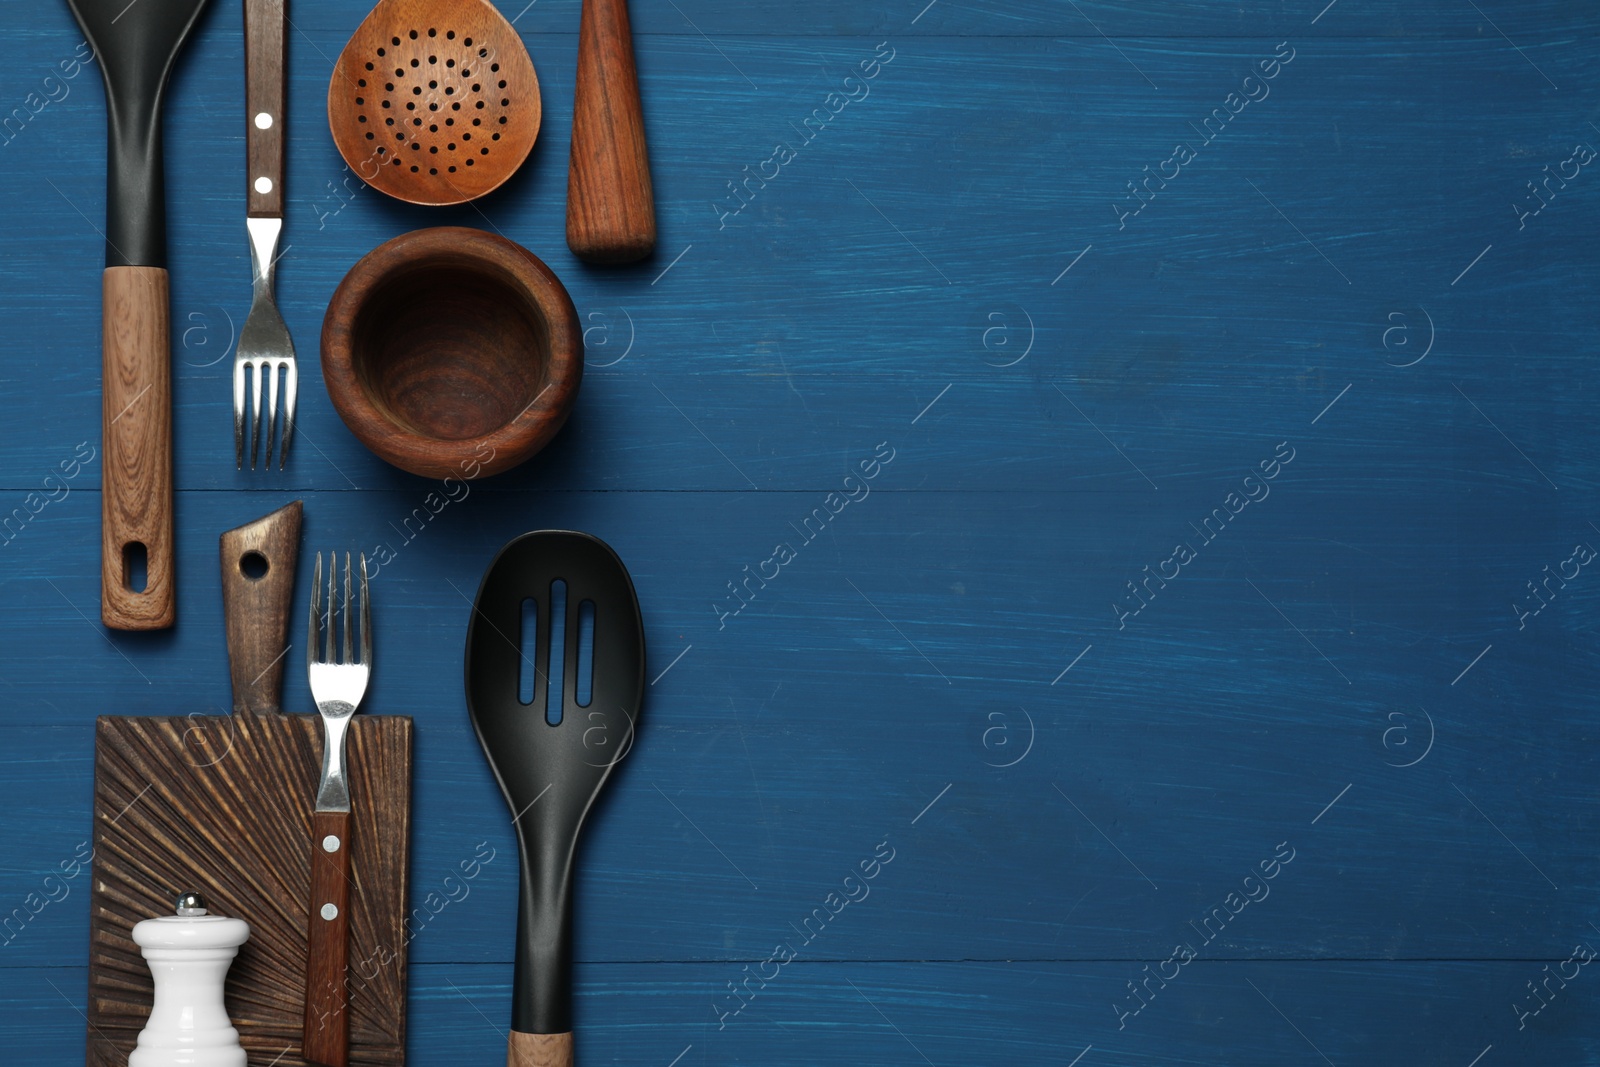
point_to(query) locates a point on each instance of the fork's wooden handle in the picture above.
(264, 80)
(258, 563)
(611, 216)
(136, 429)
(539, 1050)
(326, 1039)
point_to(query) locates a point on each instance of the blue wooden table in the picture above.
(1205, 672)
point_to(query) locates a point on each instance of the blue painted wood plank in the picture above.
(708, 22)
(908, 1013)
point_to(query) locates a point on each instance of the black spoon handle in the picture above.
(136, 199)
(541, 998)
(135, 46)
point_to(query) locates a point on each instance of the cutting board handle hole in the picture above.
(135, 566)
(558, 652)
(254, 566)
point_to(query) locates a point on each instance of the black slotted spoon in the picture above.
(551, 774)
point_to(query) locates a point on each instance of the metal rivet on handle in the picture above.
(263, 185)
(330, 843)
(263, 121)
(330, 912)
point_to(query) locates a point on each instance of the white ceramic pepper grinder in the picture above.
(189, 954)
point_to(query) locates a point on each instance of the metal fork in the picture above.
(337, 685)
(264, 345)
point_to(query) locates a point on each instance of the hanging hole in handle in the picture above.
(254, 566)
(529, 649)
(585, 686)
(558, 653)
(135, 566)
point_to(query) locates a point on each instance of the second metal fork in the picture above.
(264, 346)
(337, 685)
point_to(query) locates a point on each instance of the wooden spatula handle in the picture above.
(611, 215)
(136, 428)
(326, 1039)
(539, 1050)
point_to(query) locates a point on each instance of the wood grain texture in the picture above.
(452, 352)
(327, 1015)
(611, 214)
(265, 93)
(539, 1050)
(222, 805)
(136, 429)
(434, 101)
(255, 609)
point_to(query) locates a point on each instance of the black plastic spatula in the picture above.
(136, 44)
(554, 752)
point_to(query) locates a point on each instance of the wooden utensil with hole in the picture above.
(611, 215)
(135, 57)
(258, 566)
(434, 101)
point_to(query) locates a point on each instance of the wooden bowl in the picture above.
(451, 352)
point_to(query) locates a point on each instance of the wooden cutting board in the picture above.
(222, 805)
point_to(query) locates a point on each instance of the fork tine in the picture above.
(291, 384)
(238, 413)
(316, 613)
(272, 410)
(348, 655)
(366, 616)
(333, 607)
(255, 411)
